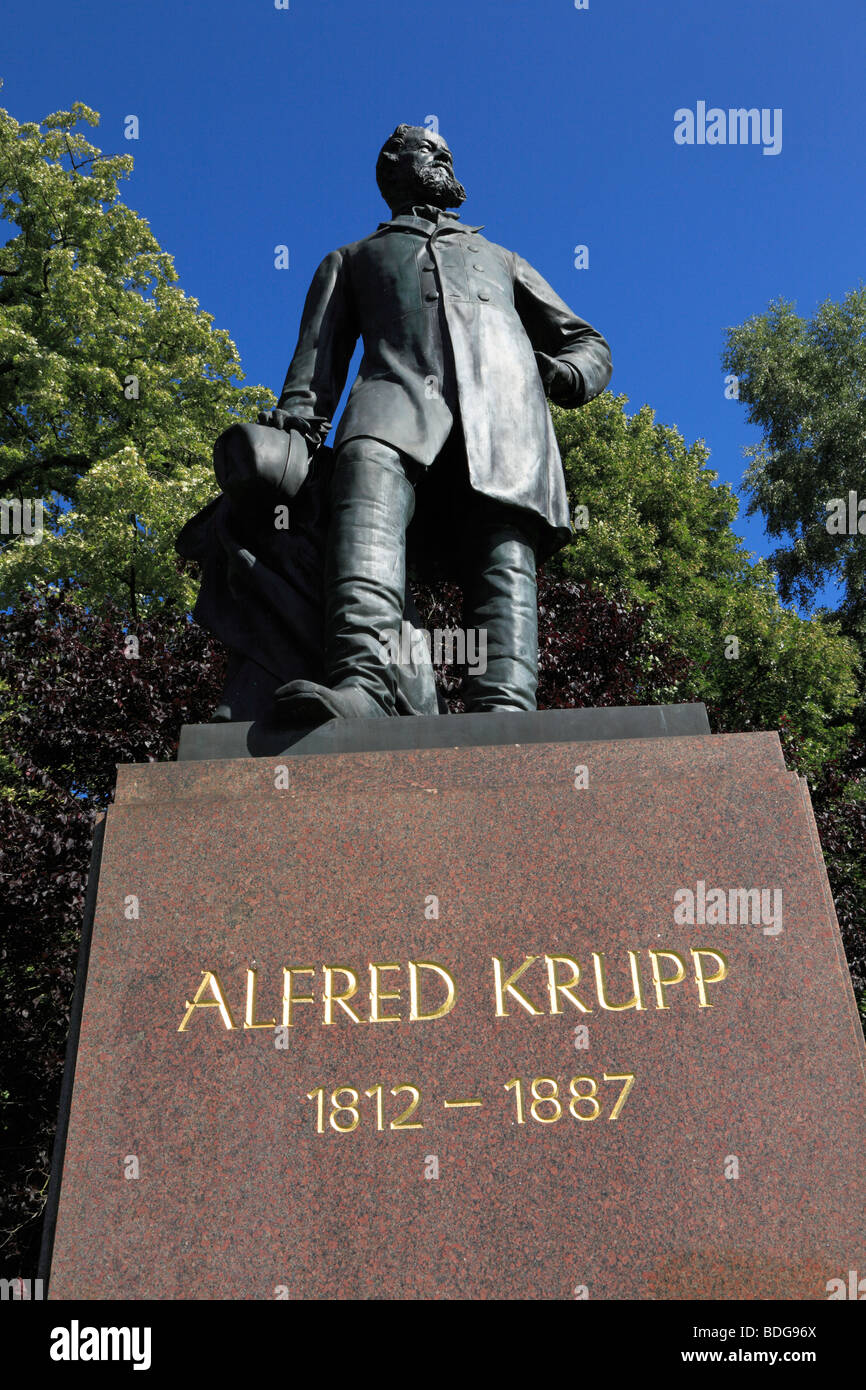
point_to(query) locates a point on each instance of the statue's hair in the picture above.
(388, 156)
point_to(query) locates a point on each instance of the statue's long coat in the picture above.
(450, 324)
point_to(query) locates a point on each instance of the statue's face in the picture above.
(425, 170)
(425, 147)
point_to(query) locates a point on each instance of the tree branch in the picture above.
(79, 462)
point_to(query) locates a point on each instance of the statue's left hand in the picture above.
(553, 374)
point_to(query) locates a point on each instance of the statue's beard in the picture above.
(433, 184)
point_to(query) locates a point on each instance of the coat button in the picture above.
(483, 294)
(432, 294)
(476, 266)
(428, 265)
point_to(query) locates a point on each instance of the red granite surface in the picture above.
(239, 1196)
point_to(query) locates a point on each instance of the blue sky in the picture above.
(261, 126)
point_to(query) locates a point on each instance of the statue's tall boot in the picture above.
(372, 503)
(502, 601)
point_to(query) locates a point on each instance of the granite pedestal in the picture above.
(435, 1023)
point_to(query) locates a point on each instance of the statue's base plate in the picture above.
(259, 739)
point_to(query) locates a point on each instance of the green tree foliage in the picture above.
(88, 301)
(805, 385)
(659, 527)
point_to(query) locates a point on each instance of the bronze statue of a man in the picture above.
(445, 451)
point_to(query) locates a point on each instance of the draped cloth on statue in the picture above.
(262, 595)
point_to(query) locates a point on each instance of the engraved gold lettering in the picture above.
(319, 1097)
(538, 1100)
(659, 982)
(377, 994)
(289, 997)
(588, 1099)
(508, 985)
(331, 998)
(628, 1078)
(210, 980)
(415, 1015)
(564, 987)
(376, 1091)
(516, 1085)
(703, 980)
(401, 1121)
(636, 1001)
(350, 1109)
(250, 1014)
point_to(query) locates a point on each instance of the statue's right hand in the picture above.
(279, 419)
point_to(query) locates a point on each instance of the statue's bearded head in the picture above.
(415, 166)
